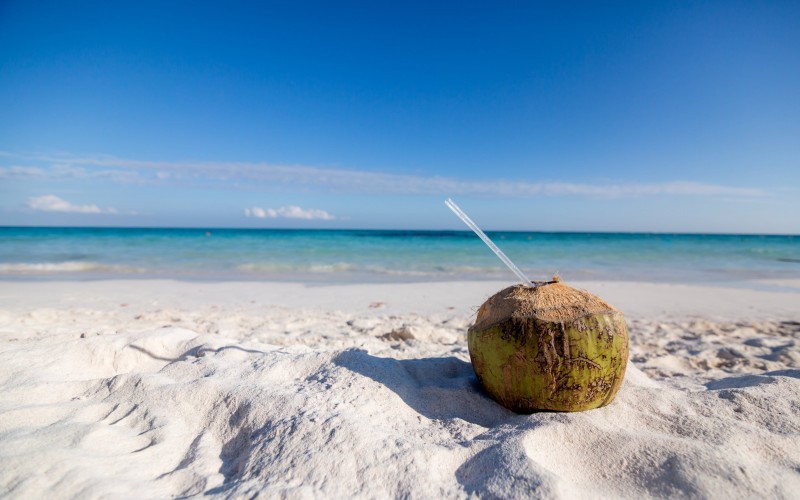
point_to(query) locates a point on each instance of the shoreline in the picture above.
(775, 298)
(786, 281)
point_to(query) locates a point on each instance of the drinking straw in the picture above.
(464, 217)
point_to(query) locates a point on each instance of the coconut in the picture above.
(549, 347)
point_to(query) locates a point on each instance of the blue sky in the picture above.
(640, 116)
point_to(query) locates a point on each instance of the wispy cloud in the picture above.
(16, 171)
(288, 212)
(69, 171)
(267, 176)
(52, 203)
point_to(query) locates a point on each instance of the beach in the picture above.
(169, 388)
(281, 250)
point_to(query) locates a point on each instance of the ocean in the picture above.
(387, 256)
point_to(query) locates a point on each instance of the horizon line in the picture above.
(538, 231)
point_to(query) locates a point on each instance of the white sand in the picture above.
(155, 389)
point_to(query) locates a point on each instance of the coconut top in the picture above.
(555, 302)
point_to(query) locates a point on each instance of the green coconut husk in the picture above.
(549, 347)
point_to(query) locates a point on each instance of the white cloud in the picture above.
(22, 172)
(52, 203)
(267, 176)
(288, 212)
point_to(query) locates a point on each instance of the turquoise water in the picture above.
(321, 255)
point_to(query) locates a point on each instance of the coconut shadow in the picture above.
(436, 388)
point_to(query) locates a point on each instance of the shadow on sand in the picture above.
(742, 381)
(436, 388)
(194, 352)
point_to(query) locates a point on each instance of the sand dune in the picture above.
(160, 389)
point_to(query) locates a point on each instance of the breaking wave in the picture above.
(62, 267)
(265, 267)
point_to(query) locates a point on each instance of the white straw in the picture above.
(461, 215)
